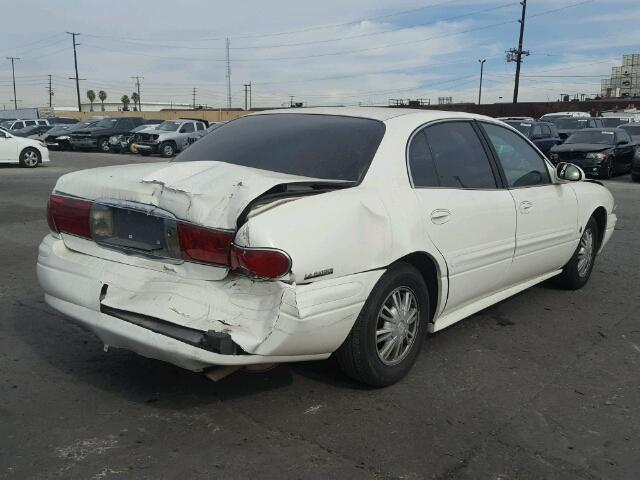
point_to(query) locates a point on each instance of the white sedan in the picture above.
(25, 151)
(292, 235)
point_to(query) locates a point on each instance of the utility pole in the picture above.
(13, 73)
(194, 98)
(75, 62)
(481, 72)
(50, 92)
(138, 86)
(515, 54)
(228, 74)
(247, 96)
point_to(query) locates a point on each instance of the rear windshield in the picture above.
(613, 122)
(631, 129)
(600, 137)
(320, 146)
(570, 123)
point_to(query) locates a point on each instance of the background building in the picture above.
(625, 79)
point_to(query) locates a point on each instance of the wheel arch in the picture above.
(430, 271)
(600, 216)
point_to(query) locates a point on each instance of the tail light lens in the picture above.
(204, 245)
(259, 262)
(196, 244)
(69, 215)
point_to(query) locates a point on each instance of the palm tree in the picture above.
(125, 103)
(91, 95)
(136, 100)
(102, 95)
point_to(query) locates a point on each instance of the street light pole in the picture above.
(481, 72)
(13, 73)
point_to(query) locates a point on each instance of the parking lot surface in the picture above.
(543, 385)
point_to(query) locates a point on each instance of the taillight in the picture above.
(69, 215)
(259, 262)
(203, 244)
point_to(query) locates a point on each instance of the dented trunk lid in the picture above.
(206, 193)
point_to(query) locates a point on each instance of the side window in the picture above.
(41, 122)
(18, 125)
(187, 128)
(125, 123)
(30, 123)
(537, 132)
(423, 172)
(546, 131)
(200, 126)
(522, 165)
(458, 156)
(623, 136)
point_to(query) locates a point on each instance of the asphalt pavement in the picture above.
(543, 385)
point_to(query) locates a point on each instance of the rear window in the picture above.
(320, 146)
(571, 123)
(602, 137)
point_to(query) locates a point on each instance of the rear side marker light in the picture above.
(69, 215)
(259, 262)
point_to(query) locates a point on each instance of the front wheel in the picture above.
(390, 330)
(103, 145)
(608, 169)
(577, 271)
(167, 149)
(30, 158)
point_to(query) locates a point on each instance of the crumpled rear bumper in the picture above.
(270, 322)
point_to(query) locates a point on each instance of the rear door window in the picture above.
(421, 166)
(187, 128)
(522, 165)
(459, 157)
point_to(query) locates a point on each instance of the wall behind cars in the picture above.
(209, 115)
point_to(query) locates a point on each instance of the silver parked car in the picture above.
(171, 137)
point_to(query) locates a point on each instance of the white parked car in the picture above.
(291, 235)
(25, 151)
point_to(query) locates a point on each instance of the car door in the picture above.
(8, 148)
(188, 135)
(624, 152)
(547, 213)
(466, 213)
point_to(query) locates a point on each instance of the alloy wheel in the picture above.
(30, 158)
(585, 252)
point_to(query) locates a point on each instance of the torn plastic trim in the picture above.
(216, 342)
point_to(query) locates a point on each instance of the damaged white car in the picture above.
(287, 236)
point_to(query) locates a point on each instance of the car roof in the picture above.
(376, 113)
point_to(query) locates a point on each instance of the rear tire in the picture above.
(30, 158)
(577, 271)
(386, 339)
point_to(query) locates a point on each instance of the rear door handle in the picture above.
(440, 216)
(525, 207)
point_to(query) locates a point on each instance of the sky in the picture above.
(333, 52)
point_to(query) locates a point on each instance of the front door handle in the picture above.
(440, 216)
(525, 207)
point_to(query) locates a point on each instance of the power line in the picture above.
(50, 93)
(228, 75)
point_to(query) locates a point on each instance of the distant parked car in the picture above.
(25, 151)
(543, 134)
(633, 129)
(599, 152)
(62, 121)
(33, 131)
(170, 137)
(516, 119)
(613, 122)
(97, 136)
(123, 143)
(59, 136)
(568, 125)
(635, 166)
(552, 117)
(20, 124)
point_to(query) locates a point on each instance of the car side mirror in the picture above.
(569, 172)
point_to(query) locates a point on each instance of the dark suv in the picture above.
(97, 136)
(543, 134)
